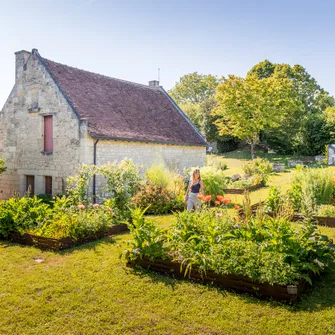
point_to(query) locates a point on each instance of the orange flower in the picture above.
(237, 207)
(81, 206)
(109, 209)
(199, 196)
(207, 198)
(217, 203)
(226, 201)
(220, 198)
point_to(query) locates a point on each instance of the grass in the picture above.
(88, 290)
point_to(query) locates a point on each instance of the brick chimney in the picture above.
(21, 58)
(154, 83)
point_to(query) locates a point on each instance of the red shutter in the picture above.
(48, 146)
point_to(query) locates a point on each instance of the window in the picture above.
(48, 185)
(30, 185)
(48, 143)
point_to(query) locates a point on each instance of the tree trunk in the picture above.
(252, 150)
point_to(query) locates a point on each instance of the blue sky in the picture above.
(131, 39)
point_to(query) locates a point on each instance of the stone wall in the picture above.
(144, 154)
(22, 129)
(34, 96)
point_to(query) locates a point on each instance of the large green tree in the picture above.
(194, 93)
(303, 130)
(246, 107)
(194, 88)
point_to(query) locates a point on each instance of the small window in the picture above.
(48, 185)
(30, 185)
(48, 143)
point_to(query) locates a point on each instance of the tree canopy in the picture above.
(194, 88)
(297, 132)
(248, 106)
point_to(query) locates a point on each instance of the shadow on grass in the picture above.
(167, 279)
(244, 154)
(318, 297)
(321, 295)
(108, 240)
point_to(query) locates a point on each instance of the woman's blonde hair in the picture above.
(194, 172)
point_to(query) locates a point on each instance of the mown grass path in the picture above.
(88, 290)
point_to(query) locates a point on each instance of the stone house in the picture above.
(57, 117)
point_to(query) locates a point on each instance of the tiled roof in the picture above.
(118, 109)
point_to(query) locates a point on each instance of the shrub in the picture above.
(311, 186)
(158, 175)
(46, 199)
(214, 181)
(216, 162)
(157, 199)
(122, 182)
(327, 211)
(260, 167)
(74, 221)
(78, 186)
(163, 191)
(21, 214)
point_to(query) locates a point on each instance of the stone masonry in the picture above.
(21, 131)
(35, 95)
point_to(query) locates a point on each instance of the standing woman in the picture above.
(194, 188)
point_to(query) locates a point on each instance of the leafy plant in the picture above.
(216, 162)
(78, 187)
(214, 181)
(262, 248)
(122, 182)
(21, 214)
(311, 186)
(327, 211)
(74, 221)
(157, 199)
(260, 167)
(148, 238)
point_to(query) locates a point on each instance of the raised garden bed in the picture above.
(62, 243)
(321, 220)
(242, 190)
(237, 283)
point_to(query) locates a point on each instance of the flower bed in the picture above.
(241, 191)
(320, 220)
(63, 243)
(259, 254)
(237, 283)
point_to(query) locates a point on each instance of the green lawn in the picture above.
(88, 290)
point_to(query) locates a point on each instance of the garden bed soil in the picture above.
(242, 190)
(62, 243)
(237, 283)
(320, 220)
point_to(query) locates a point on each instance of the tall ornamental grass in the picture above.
(318, 185)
